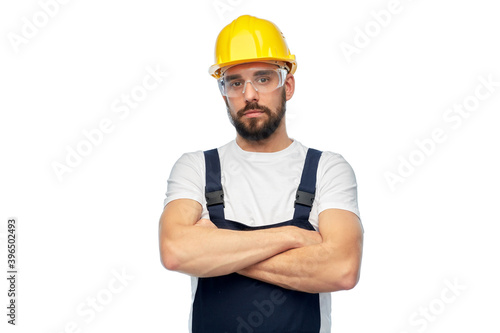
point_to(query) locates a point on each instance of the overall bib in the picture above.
(237, 304)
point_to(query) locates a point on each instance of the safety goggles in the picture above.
(263, 80)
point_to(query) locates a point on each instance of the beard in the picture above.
(251, 130)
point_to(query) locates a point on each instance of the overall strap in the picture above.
(213, 187)
(305, 193)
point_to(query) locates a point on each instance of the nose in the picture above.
(251, 94)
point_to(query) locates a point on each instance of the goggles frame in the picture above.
(281, 71)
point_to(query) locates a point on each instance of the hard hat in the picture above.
(249, 39)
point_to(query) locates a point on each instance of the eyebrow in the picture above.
(257, 73)
(263, 72)
(233, 77)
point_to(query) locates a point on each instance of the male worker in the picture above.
(266, 227)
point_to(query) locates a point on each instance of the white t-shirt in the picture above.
(259, 189)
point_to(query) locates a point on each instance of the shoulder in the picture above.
(337, 185)
(332, 159)
(335, 165)
(329, 161)
(300, 149)
(195, 158)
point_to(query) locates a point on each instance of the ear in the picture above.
(289, 86)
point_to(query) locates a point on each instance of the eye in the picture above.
(235, 84)
(262, 80)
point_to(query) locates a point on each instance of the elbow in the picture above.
(351, 271)
(343, 279)
(350, 278)
(349, 281)
(169, 259)
(173, 258)
(171, 263)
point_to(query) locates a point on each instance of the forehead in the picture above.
(251, 65)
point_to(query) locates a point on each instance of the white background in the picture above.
(441, 224)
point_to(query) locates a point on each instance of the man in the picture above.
(266, 227)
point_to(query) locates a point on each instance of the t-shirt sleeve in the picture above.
(186, 179)
(337, 187)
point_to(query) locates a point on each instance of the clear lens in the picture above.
(263, 80)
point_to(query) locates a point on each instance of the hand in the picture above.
(205, 223)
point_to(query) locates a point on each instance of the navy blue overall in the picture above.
(237, 304)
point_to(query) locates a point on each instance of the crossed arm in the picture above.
(290, 257)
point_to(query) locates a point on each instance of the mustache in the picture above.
(253, 106)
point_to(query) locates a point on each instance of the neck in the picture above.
(279, 140)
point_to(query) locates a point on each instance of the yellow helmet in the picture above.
(249, 39)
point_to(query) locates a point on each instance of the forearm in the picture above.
(206, 252)
(312, 269)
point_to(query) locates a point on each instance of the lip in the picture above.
(253, 113)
